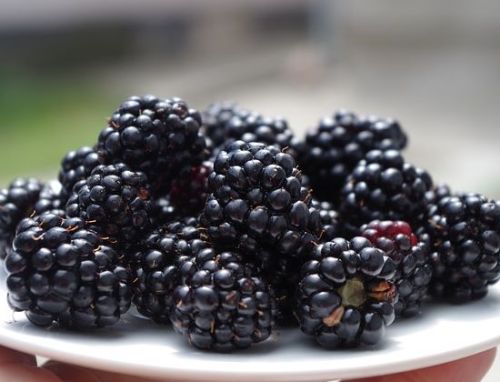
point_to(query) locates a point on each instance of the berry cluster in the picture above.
(226, 226)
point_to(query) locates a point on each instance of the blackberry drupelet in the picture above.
(17, 201)
(158, 137)
(384, 187)
(328, 226)
(114, 201)
(163, 212)
(345, 297)
(332, 150)
(77, 165)
(189, 194)
(60, 272)
(226, 122)
(156, 270)
(412, 257)
(51, 198)
(257, 201)
(221, 304)
(464, 229)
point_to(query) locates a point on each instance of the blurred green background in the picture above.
(65, 66)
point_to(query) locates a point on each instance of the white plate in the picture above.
(139, 347)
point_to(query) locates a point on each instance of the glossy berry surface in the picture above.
(464, 229)
(221, 304)
(384, 187)
(17, 201)
(332, 150)
(412, 257)
(345, 297)
(156, 270)
(60, 272)
(77, 165)
(227, 122)
(115, 201)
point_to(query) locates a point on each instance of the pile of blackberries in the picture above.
(227, 226)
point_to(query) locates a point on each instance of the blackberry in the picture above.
(17, 201)
(384, 187)
(155, 136)
(189, 194)
(334, 148)
(345, 297)
(114, 201)
(156, 270)
(77, 165)
(50, 199)
(226, 122)
(328, 226)
(412, 257)
(464, 229)
(220, 305)
(257, 201)
(163, 212)
(60, 272)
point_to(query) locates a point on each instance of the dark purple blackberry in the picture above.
(114, 201)
(158, 137)
(17, 201)
(335, 147)
(412, 257)
(77, 165)
(384, 187)
(464, 229)
(60, 272)
(163, 212)
(345, 297)
(189, 194)
(51, 198)
(328, 226)
(227, 122)
(156, 269)
(220, 304)
(257, 201)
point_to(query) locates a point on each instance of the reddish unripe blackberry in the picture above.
(114, 201)
(220, 303)
(159, 137)
(155, 266)
(464, 230)
(60, 272)
(77, 165)
(332, 150)
(189, 194)
(226, 122)
(17, 201)
(412, 257)
(384, 187)
(345, 296)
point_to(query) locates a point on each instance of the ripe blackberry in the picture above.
(163, 212)
(464, 229)
(412, 257)
(220, 305)
(335, 147)
(156, 270)
(257, 201)
(17, 201)
(189, 194)
(227, 122)
(77, 165)
(328, 226)
(345, 297)
(158, 137)
(60, 272)
(384, 187)
(114, 201)
(50, 198)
